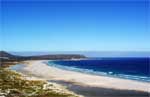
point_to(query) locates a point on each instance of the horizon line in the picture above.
(76, 51)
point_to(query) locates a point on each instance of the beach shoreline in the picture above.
(42, 70)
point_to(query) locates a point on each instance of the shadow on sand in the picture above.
(88, 91)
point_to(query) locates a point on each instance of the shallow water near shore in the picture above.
(17, 67)
(126, 68)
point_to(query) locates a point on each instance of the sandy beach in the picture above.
(41, 69)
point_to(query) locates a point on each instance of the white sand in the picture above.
(39, 68)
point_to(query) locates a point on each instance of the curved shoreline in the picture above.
(41, 69)
(99, 73)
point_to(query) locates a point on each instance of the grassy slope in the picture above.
(13, 85)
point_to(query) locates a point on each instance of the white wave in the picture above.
(110, 73)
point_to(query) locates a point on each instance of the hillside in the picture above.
(4, 55)
(7, 56)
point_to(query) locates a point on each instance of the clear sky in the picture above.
(75, 25)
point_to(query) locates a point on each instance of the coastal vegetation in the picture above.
(13, 84)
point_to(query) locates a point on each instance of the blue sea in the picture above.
(126, 68)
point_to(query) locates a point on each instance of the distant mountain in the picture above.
(90, 53)
(7, 56)
(4, 54)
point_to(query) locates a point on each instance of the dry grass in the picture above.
(13, 84)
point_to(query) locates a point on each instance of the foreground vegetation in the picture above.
(13, 84)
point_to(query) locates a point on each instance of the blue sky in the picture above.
(75, 25)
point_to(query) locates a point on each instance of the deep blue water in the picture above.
(129, 68)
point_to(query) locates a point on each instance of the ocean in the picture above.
(126, 68)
